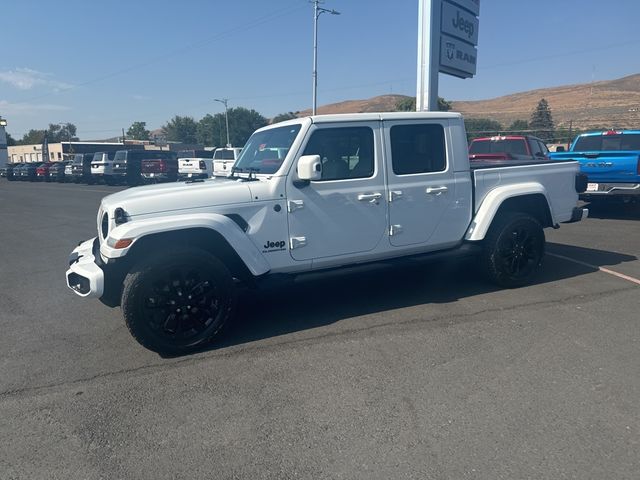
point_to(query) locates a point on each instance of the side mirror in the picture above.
(309, 168)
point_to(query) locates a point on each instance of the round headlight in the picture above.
(104, 225)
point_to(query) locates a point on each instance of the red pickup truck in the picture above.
(161, 167)
(512, 147)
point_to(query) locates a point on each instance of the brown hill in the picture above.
(611, 103)
(383, 103)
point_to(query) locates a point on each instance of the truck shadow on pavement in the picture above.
(614, 211)
(343, 298)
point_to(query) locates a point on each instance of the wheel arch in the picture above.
(531, 199)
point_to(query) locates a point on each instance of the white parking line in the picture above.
(602, 269)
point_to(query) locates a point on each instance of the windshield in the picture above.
(265, 151)
(120, 155)
(599, 143)
(223, 154)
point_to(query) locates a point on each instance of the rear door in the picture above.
(422, 185)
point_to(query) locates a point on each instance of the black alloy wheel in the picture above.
(514, 248)
(176, 302)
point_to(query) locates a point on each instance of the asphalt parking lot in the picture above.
(428, 372)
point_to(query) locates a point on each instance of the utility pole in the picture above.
(570, 132)
(317, 11)
(225, 102)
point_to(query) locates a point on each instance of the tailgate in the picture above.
(188, 165)
(611, 166)
(151, 166)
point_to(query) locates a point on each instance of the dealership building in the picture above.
(66, 150)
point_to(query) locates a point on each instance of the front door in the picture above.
(345, 212)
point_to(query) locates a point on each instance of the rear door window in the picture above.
(417, 149)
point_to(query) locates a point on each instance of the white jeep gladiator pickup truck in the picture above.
(311, 194)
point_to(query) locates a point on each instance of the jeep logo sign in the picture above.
(459, 23)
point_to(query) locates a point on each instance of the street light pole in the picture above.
(317, 11)
(225, 101)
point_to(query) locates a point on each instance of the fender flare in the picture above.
(494, 200)
(227, 228)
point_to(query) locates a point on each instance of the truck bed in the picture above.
(558, 178)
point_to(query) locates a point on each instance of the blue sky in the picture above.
(103, 65)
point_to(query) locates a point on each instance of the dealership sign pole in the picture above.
(4, 157)
(447, 41)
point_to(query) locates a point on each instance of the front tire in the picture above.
(176, 302)
(513, 249)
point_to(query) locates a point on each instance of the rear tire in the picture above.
(176, 302)
(513, 249)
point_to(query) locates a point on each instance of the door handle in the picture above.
(370, 197)
(436, 190)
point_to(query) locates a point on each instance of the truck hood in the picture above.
(178, 196)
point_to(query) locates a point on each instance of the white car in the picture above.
(311, 194)
(102, 166)
(224, 159)
(195, 164)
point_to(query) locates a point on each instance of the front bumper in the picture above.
(85, 277)
(155, 176)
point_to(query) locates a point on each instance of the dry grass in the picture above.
(613, 103)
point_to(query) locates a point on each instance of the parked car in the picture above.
(611, 161)
(224, 159)
(102, 167)
(68, 171)
(17, 171)
(81, 168)
(42, 172)
(10, 169)
(127, 164)
(195, 164)
(57, 171)
(3, 171)
(162, 168)
(28, 172)
(511, 147)
(173, 255)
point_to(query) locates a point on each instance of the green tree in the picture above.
(542, 122)
(408, 104)
(32, 137)
(138, 131)
(281, 117)
(242, 123)
(481, 127)
(518, 127)
(181, 129)
(210, 130)
(62, 132)
(10, 140)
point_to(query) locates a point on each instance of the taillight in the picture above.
(163, 166)
(612, 132)
(203, 165)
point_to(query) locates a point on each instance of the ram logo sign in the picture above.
(458, 58)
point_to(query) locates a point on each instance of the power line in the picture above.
(560, 55)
